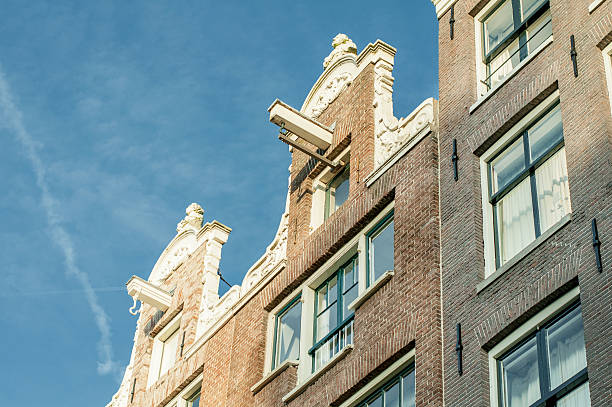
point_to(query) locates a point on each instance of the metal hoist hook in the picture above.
(133, 309)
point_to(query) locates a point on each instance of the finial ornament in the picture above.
(342, 46)
(193, 219)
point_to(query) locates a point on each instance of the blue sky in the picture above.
(114, 116)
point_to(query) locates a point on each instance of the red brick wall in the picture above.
(404, 314)
(564, 260)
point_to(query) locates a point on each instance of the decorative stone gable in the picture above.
(340, 70)
(390, 133)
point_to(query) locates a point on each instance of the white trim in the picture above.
(521, 333)
(365, 391)
(595, 4)
(271, 328)
(158, 350)
(301, 387)
(319, 186)
(526, 250)
(187, 392)
(382, 280)
(481, 68)
(307, 291)
(607, 56)
(270, 376)
(516, 70)
(487, 210)
(442, 6)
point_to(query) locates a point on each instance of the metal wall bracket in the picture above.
(596, 245)
(452, 22)
(133, 390)
(573, 55)
(182, 344)
(459, 350)
(454, 159)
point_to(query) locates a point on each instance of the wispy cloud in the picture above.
(12, 119)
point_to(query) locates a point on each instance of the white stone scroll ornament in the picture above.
(390, 134)
(339, 70)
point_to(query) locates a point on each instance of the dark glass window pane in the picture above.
(288, 334)
(350, 274)
(579, 397)
(529, 6)
(332, 290)
(509, 164)
(378, 402)
(545, 134)
(349, 297)
(515, 225)
(498, 26)
(341, 191)
(322, 298)
(381, 252)
(566, 351)
(538, 32)
(392, 396)
(408, 390)
(520, 376)
(327, 321)
(195, 401)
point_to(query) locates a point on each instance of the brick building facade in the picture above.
(457, 256)
(533, 136)
(319, 320)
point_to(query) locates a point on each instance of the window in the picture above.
(287, 333)
(527, 189)
(397, 392)
(379, 243)
(333, 322)
(194, 400)
(511, 30)
(548, 367)
(189, 396)
(165, 348)
(337, 191)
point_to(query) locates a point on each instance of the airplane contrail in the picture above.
(13, 120)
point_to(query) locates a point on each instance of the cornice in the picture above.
(442, 6)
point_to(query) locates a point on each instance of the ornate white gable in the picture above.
(340, 70)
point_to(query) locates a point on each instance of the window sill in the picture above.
(595, 4)
(273, 374)
(299, 389)
(382, 280)
(516, 70)
(520, 255)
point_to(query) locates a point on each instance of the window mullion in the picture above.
(516, 13)
(543, 364)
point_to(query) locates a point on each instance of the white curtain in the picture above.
(580, 397)
(515, 220)
(504, 63)
(553, 190)
(524, 390)
(566, 350)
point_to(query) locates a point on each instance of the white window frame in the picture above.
(396, 368)
(189, 391)
(607, 56)
(487, 208)
(521, 333)
(158, 348)
(481, 68)
(319, 189)
(306, 291)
